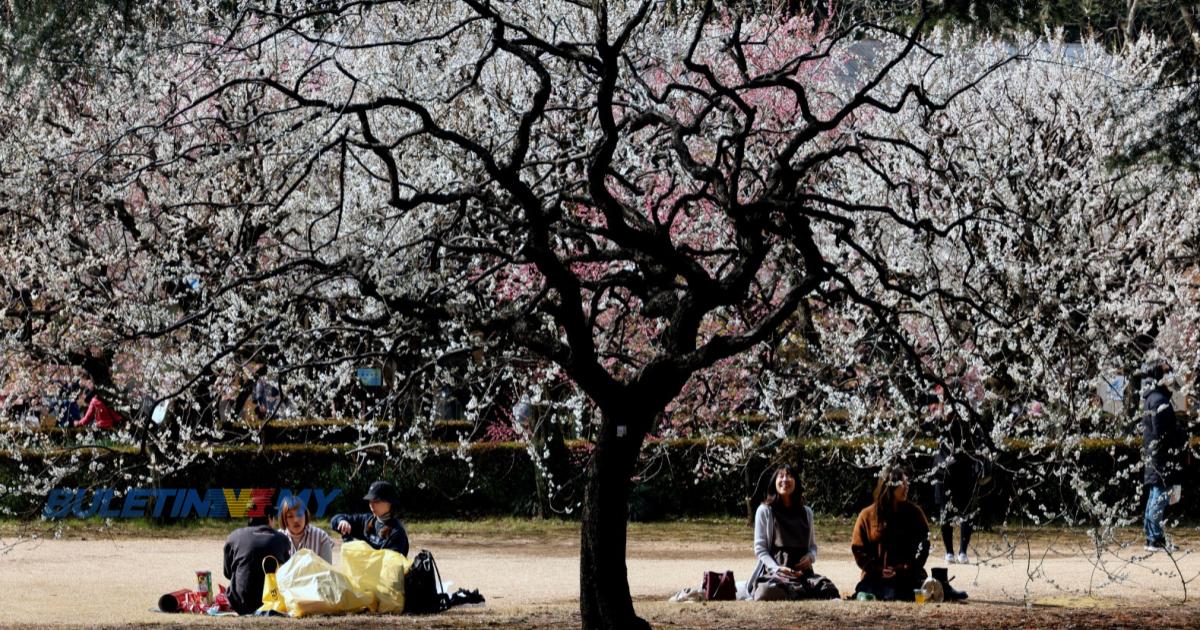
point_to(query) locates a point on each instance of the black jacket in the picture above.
(245, 550)
(1163, 442)
(961, 461)
(367, 527)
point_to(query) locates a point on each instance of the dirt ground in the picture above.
(534, 583)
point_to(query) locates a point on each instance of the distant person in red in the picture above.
(96, 410)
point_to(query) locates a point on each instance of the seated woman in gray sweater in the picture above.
(293, 515)
(785, 544)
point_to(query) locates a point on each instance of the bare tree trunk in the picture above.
(605, 602)
(1130, 20)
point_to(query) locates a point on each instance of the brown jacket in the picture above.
(903, 544)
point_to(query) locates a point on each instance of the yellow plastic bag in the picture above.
(271, 601)
(311, 586)
(377, 571)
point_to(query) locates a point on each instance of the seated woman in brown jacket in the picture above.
(891, 541)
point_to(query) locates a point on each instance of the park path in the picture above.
(117, 581)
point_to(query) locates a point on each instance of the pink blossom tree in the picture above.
(676, 213)
(619, 191)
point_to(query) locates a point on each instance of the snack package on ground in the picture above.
(311, 586)
(221, 601)
(377, 571)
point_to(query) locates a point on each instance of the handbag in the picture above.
(719, 586)
(815, 586)
(272, 602)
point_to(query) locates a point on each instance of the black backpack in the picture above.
(423, 591)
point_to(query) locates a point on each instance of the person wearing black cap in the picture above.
(245, 550)
(1163, 448)
(380, 528)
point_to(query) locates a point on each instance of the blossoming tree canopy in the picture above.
(663, 209)
(1058, 265)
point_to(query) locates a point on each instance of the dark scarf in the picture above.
(790, 538)
(381, 527)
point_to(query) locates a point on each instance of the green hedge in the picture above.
(499, 479)
(298, 431)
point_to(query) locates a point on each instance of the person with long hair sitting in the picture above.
(785, 545)
(891, 541)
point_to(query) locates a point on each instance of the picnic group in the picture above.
(261, 561)
(890, 540)
(282, 564)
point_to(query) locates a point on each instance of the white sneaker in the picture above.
(950, 558)
(963, 559)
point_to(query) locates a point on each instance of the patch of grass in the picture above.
(545, 530)
(712, 530)
(735, 530)
(715, 529)
(76, 529)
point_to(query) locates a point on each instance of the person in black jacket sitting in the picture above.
(245, 550)
(1164, 445)
(380, 528)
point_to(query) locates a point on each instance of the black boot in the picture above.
(951, 593)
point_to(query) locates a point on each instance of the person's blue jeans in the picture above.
(1156, 502)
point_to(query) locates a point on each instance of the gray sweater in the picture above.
(764, 547)
(313, 539)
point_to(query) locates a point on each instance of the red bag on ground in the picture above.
(189, 601)
(173, 602)
(182, 601)
(719, 586)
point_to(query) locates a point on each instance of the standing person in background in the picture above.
(105, 417)
(960, 467)
(293, 515)
(380, 528)
(245, 550)
(67, 402)
(266, 399)
(1164, 446)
